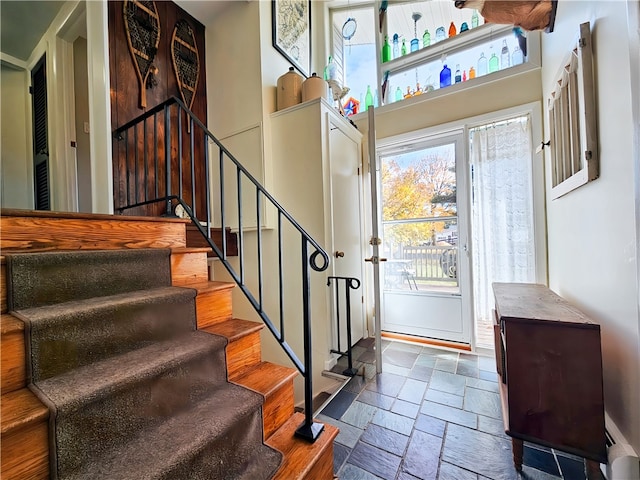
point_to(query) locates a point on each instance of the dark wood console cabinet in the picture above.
(549, 360)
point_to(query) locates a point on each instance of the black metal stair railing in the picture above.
(161, 165)
(349, 283)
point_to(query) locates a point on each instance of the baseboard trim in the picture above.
(623, 461)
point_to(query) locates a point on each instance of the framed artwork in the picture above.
(291, 27)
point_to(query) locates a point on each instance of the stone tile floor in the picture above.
(431, 414)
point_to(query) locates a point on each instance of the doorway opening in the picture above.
(424, 225)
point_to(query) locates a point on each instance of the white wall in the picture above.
(83, 145)
(17, 181)
(593, 231)
(242, 73)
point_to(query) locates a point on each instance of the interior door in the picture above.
(346, 206)
(40, 136)
(424, 228)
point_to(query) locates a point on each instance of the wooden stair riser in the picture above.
(275, 384)
(188, 265)
(323, 468)
(41, 231)
(243, 354)
(304, 460)
(213, 307)
(13, 372)
(195, 239)
(25, 453)
(3, 286)
(277, 409)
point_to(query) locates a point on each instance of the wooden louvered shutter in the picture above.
(40, 135)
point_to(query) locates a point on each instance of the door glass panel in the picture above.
(419, 220)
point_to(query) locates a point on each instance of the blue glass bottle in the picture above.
(440, 35)
(458, 75)
(415, 45)
(445, 76)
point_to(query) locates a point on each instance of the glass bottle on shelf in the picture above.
(494, 62)
(398, 94)
(517, 57)
(505, 57)
(452, 30)
(426, 39)
(440, 34)
(482, 65)
(464, 27)
(464, 75)
(445, 76)
(472, 73)
(458, 76)
(330, 70)
(475, 20)
(418, 90)
(396, 46)
(408, 94)
(386, 50)
(368, 98)
(415, 44)
(403, 50)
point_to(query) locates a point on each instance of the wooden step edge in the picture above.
(10, 212)
(300, 456)
(180, 250)
(19, 409)
(10, 324)
(266, 378)
(210, 286)
(234, 329)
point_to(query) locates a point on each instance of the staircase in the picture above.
(24, 419)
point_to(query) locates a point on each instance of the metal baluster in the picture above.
(167, 157)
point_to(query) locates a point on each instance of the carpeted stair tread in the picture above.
(135, 391)
(46, 278)
(73, 334)
(166, 452)
(123, 371)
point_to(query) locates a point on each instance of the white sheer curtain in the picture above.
(502, 213)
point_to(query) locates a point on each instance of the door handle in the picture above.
(374, 259)
(338, 254)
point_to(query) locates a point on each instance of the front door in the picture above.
(426, 277)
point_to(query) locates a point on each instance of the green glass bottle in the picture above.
(475, 19)
(399, 95)
(386, 50)
(426, 39)
(403, 49)
(368, 98)
(494, 63)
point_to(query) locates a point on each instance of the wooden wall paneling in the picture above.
(124, 107)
